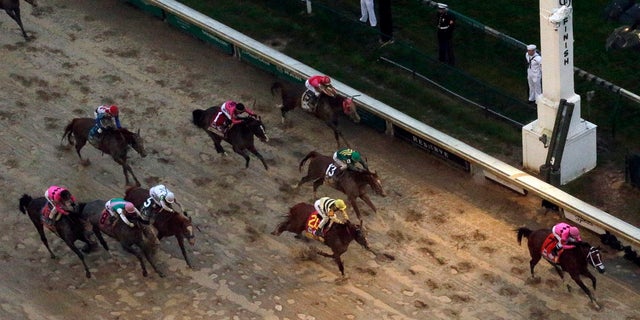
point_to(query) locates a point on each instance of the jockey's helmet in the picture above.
(240, 107)
(575, 233)
(65, 195)
(326, 80)
(355, 156)
(340, 204)
(113, 110)
(170, 197)
(129, 207)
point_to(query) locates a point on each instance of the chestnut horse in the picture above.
(328, 107)
(12, 7)
(574, 261)
(239, 136)
(68, 228)
(167, 223)
(353, 184)
(114, 142)
(338, 237)
(139, 240)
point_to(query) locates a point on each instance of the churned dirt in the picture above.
(446, 245)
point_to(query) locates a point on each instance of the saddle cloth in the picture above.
(547, 247)
(307, 101)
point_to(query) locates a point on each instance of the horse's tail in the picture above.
(198, 117)
(276, 86)
(24, 202)
(309, 155)
(523, 232)
(68, 132)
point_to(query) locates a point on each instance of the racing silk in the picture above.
(53, 195)
(323, 205)
(106, 120)
(345, 155)
(561, 232)
(115, 206)
(229, 110)
(314, 83)
(157, 195)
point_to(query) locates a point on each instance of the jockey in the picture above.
(230, 112)
(565, 234)
(57, 197)
(161, 197)
(118, 206)
(106, 117)
(347, 158)
(314, 84)
(326, 208)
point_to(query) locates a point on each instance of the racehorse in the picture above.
(115, 142)
(12, 7)
(239, 136)
(138, 240)
(353, 184)
(167, 223)
(328, 108)
(68, 228)
(338, 237)
(574, 261)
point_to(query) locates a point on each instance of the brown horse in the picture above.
(12, 7)
(338, 237)
(574, 261)
(328, 107)
(68, 228)
(167, 223)
(353, 184)
(139, 240)
(114, 142)
(239, 136)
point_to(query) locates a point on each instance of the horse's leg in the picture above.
(282, 226)
(316, 184)
(40, 228)
(336, 258)
(255, 152)
(148, 253)
(354, 204)
(98, 234)
(71, 246)
(15, 15)
(216, 141)
(535, 258)
(244, 154)
(367, 200)
(576, 277)
(127, 247)
(128, 167)
(184, 251)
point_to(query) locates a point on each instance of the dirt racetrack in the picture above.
(448, 249)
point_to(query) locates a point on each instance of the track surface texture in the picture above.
(445, 240)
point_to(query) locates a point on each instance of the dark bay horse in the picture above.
(68, 228)
(12, 7)
(574, 261)
(329, 108)
(140, 240)
(166, 223)
(351, 183)
(338, 237)
(115, 143)
(239, 136)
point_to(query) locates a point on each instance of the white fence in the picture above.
(250, 50)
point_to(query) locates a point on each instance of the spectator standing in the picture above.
(368, 12)
(534, 73)
(445, 25)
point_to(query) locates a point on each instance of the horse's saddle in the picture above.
(308, 101)
(48, 223)
(312, 225)
(332, 173)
